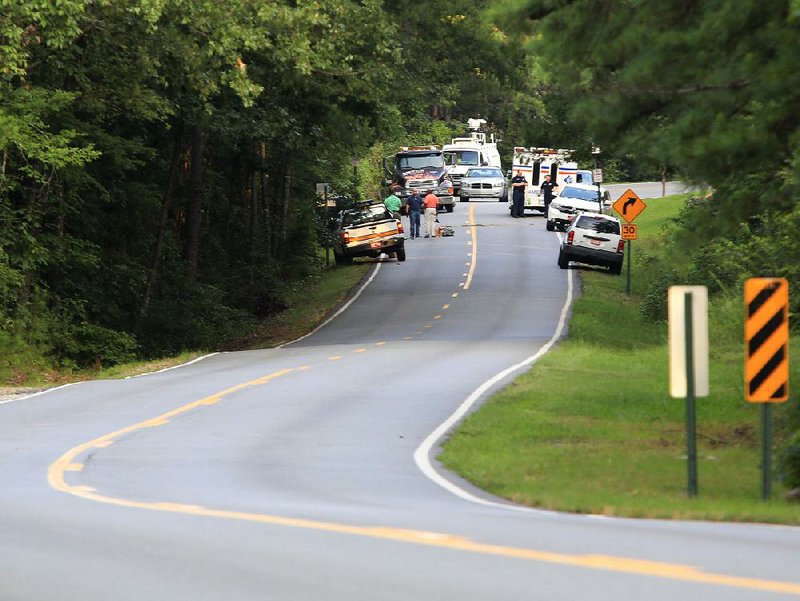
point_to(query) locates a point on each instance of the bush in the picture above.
(91, 345)
(789, 465)
(654, 302)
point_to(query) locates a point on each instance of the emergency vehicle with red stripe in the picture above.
(535, 163)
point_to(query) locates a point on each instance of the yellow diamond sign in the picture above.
(629, 205)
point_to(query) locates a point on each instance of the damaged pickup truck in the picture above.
(367, 231)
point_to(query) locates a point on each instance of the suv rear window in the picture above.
(598, 224)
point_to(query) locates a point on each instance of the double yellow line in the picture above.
(69, 463)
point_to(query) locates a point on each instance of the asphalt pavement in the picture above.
(309, 471)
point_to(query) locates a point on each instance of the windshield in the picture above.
(365, 215)
(598, 224)
(420, 161)
(462, 157)
(579, 193)
(484, 172)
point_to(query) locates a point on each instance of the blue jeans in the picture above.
(413, 218)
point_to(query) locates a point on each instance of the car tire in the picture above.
(563, 259)
(616, 268)
(464, 199)
(401, 254)
(450, 208)
(550, 226)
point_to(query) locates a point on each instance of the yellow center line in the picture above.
(445, 306)
(334, 358)
(474, 254)
(455, 294)
(66, 463)
(381, 343)
(360, 350)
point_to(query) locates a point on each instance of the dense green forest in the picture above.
(158, 157)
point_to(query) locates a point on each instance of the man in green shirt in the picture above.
(393, 203)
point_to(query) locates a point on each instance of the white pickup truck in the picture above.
(367, 231)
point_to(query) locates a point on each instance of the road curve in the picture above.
(291, 473)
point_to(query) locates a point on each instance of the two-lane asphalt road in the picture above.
(308, 471)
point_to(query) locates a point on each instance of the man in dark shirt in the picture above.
(518, 183)
(547, 189)
(414, 203)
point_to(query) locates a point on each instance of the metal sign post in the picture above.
(766, 338)
(688, 341)
(322, 190)
(628, 206)
(629, 234)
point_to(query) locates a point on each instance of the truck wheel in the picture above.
(563, 260)
(450, 208)
(465, 199)
(616, 269)
(401, 254)
(343, 259)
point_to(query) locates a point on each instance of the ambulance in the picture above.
(535, 164)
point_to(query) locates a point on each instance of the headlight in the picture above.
(556, 206)
(498, 184)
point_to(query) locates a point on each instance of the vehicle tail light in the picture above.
(570, 236)
(346, 237)
(620, 246)
(399, 227)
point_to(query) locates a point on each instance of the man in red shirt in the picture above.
(431, 202)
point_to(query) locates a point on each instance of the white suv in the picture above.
(593, 239)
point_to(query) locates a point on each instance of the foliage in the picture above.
(710, 87)
(158, 159)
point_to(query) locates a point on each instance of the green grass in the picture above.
(591, 428)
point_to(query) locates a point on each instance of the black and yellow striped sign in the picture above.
(766, 338)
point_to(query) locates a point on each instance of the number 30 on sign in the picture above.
(628, 231)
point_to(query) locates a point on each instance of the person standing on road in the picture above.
(393, 203)
(431, 202)
(414, 203)
(547, 189)
(518, 183)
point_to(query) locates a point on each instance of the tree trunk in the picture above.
(194, 209)
(166, 204)
(287, 198)
(663, 180)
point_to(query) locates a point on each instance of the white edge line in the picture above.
(341, 310)
(422, 454)
(150, 373)
(40, 393)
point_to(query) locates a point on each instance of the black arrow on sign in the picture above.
(628, 203)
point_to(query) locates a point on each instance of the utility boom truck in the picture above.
(419, 169)
(473, 151)
(535, 164)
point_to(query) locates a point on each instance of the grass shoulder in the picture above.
(591, 428)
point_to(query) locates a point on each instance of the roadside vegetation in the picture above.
(591, 427)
